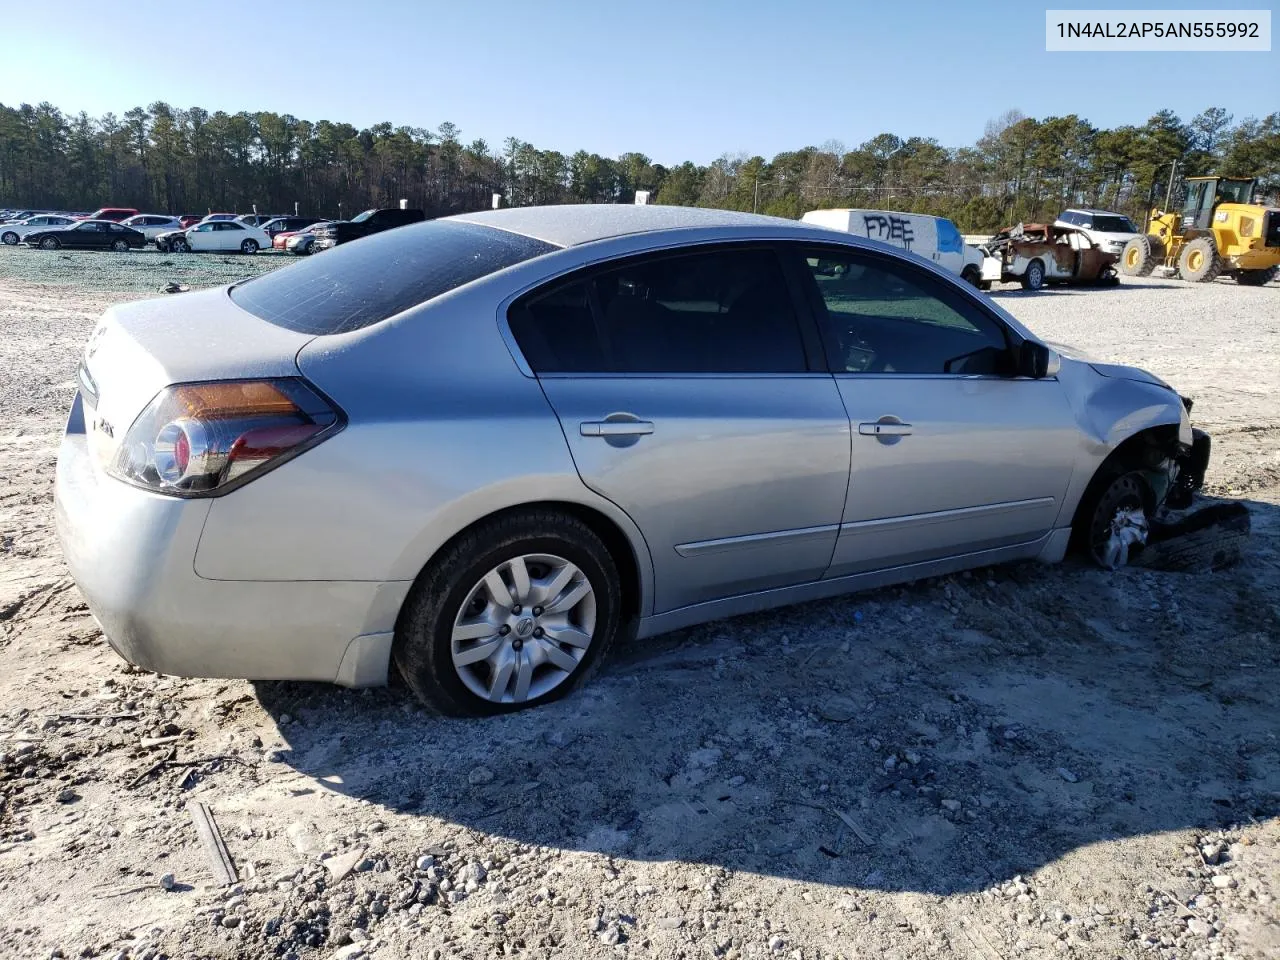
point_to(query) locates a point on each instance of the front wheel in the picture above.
(50, 243)
(1033, 278)
(120, 246)
(972, 276)
(9, 238)
(515, 613)
(1114, 517)
(1140, 256)
(249, 246)
(179, 245)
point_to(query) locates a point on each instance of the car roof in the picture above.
(569, 225)
(1107, 213)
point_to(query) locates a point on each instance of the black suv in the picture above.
(369, 222)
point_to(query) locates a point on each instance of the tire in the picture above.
(120, 246)
(1115, 508)
(972, 276)
(1033, 277)
(9, 238)
(249, 247)
(1246, 278)
(50, 243)
(178, 245)
(1199, 261)
(452, 589)
(1140, 256)
(1205, 540)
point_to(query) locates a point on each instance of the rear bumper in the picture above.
(132, 553)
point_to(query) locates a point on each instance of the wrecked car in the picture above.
(1035, 254)
(697, 414)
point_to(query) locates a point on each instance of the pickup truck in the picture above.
(371, 221)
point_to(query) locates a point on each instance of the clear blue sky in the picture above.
(675, 79)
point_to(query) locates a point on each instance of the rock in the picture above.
(1210, 852)
(612, 935)
(1067, 775)
(304, 838)
(595, 925)
(776, 944)
(837, 710)
(167, 882)
(474, 871)
(670, 923)
(231, 921)
(1199, 927)
(235, 903)
(341, 865)
(479, 776)
(952, 806)
(349, 952)
(873, 743)
(737, 781)
(1222, 881)
(68, 796)
(706, 757)
(890, 763)
(425, 862)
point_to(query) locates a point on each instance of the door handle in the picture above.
(615, 428)
(883, 429)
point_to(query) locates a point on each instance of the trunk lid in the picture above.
(139, 348)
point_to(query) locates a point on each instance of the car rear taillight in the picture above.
(202, 439)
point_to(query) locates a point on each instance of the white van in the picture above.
(934, 238)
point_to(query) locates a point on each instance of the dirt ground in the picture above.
(1019, 762)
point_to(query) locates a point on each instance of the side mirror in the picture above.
(1037, 361)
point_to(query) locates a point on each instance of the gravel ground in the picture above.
(1021, 761)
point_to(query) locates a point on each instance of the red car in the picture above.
(111, 213)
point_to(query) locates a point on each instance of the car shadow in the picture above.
(939, 738)
(1082, 288)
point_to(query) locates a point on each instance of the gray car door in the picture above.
(692, 397)
(952, 453)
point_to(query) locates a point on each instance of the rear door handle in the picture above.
(615, 428)
(884, 429)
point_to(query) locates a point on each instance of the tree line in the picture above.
(168, 159)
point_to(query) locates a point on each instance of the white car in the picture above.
(12, 233)
(934, 238)
(221, 235)
(152, 224)
(1110, 231)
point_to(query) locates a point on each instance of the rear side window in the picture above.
(362, 283)
(727, 311)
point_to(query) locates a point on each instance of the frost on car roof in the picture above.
(568, 225)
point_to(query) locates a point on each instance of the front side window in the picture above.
(1114, 225)
(884, 317)
(718, 312)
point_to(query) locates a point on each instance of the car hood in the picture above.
(1114, 371)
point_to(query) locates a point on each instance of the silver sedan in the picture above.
(483, 447)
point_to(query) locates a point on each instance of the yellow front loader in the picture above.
(1220, 231)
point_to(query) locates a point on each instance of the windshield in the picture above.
(361, 217)
(359, 284)
(1114, 224)
(1235, 191)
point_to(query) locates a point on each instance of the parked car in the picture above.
(363, 225)
(934, 238)
(13, 216)
(257, 219)
(700, 413)
(300, 244)
(208, 235)
(288, 225)
(215, 217)
(115, 214)
(151, 225)
(1035, 254)
(11, 233)
(1109, 231)
(87, 235)
(190, 219)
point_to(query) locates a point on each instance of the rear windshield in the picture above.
(364, 282)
